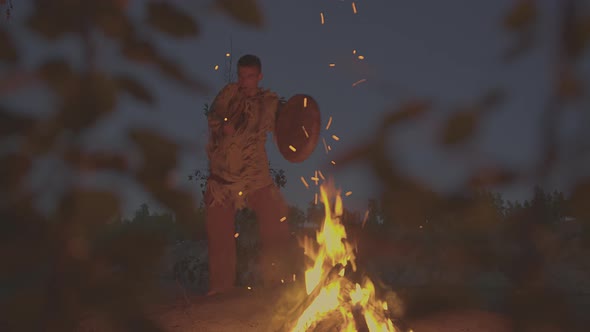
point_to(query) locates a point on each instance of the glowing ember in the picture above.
(325, 145)
(336, 138)
(322, 17)
(216, 67)
(334, 295)
(353, 51)
(321, 175)
(315, 178)
(365, 218)
(240, 193)
(292, 148)
(227, 55)
(236, 235)
(305, 102)
(348, 193)
(353, 8)
(333, 162)
(332, 65)
(361, 57)
(304, 182)
(359, 82)
(329, 123)
(305, 132)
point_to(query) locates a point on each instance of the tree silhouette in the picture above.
(74, 266)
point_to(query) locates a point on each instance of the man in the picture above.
(241, 116)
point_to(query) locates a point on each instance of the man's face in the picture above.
(248, 77)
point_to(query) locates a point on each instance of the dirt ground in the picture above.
(251, 310)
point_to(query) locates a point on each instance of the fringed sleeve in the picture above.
(271, 107)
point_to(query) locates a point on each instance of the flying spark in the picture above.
(305, 132)
(359, 82)
(329, 123)
(325, 145)
(304, 182)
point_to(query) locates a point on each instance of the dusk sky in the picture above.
(447, 50)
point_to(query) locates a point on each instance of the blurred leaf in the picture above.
(109, 15)
(167, 18)
(522, 15)
(8, 51)
(57, 73)
(182, 203)
(244, 11)
(492, 177)
(460, 127)
(177, 73)
(139, 50)
(407, 111)
(491, 99)
(159, 160)
(144, 52)
(356, 154)
(43, 136)
(24, 310)
(172, 70)
(95, 160)
(569, 86)
(409, 202)
(93, 97)
(578, 202)
(13, 123)
(135, 89)
(582, 37)
(522, 45)
(88, 208)
(13, 170)
(575, 29)
(54, 19)
(159, 153)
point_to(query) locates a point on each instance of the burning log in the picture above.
(306, 301)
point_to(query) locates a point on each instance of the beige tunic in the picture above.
(239, 159)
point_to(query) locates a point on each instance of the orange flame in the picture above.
(338, 295)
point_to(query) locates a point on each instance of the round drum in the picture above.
(297, 128)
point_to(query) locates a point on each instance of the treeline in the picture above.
(481, 210)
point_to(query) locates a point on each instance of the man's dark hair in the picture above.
(250, 60)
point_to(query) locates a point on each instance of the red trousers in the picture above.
(275, 239)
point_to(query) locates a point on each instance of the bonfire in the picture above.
(338, 297)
